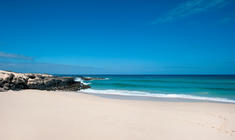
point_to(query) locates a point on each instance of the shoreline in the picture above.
(156, 97)
(35, 114)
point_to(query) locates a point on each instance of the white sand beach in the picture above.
(49, 115)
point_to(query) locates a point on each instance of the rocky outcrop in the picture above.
(18, 81)
(91, 78)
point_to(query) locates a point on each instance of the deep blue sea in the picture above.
(219, 88)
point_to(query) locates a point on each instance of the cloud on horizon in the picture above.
(190, 7)
(14, 56)
(25, 64)
(48, 68)
(180, 67)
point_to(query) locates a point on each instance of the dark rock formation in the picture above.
(18, 81)
(91, 78)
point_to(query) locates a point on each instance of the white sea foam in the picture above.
(147, 94)
(78, 79)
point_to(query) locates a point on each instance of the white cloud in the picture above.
(34, 67)
(190, 7)
(14, 56)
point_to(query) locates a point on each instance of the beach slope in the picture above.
(47, 115)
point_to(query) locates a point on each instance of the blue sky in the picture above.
(118, 36)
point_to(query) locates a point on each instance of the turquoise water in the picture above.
(204, 87)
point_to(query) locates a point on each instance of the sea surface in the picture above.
(215, 88)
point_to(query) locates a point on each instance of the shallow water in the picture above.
(200, 87)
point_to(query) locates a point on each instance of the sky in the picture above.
(118, 36)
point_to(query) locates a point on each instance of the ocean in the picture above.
(212, 88)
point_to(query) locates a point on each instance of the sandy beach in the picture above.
(47, 115)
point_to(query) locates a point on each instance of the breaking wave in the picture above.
(148, 94)
(78, 79)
